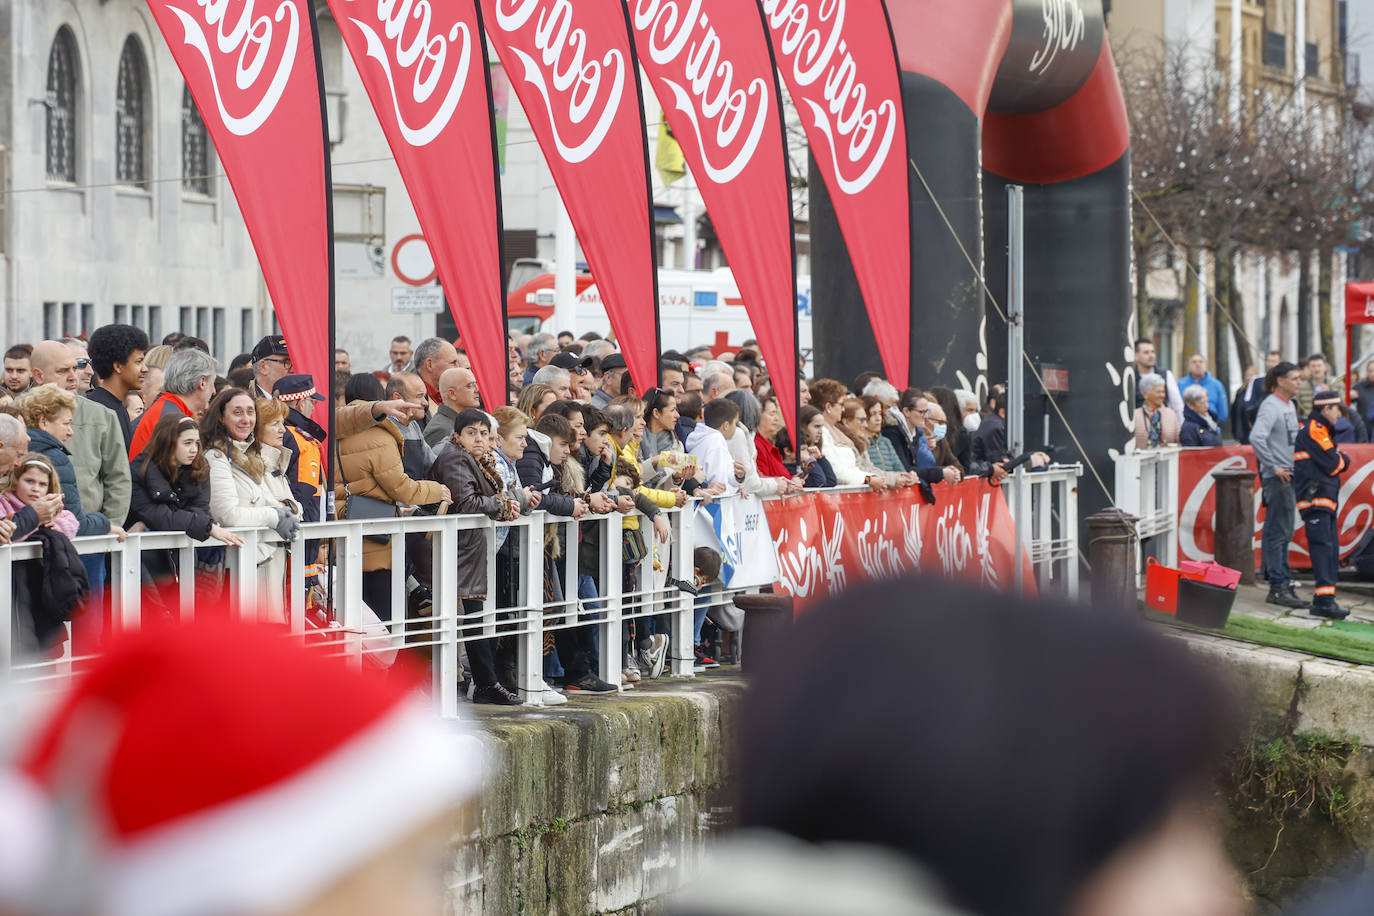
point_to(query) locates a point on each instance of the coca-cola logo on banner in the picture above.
(1197, 502)
(859, 137)
(728, 119)
(584, 90)
(249, 55)
(428, 59)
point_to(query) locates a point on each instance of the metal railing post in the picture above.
(530, 649)
(611, 590)
(682, 605)
(447, 609)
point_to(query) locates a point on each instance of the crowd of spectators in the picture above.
(114, 434)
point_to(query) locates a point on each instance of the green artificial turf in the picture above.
(1346, 640)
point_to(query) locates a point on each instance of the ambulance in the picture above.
(696, 307)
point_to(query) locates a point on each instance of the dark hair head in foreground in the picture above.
(1010, 747)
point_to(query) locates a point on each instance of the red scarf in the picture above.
(769, 458)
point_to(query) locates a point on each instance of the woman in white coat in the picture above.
(242, 494)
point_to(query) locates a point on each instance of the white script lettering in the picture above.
(253, 38)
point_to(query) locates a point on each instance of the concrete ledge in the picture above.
(599, 806)
(1301, 692)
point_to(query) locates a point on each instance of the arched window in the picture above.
(61, 105)
(195, 147)
(130, 112)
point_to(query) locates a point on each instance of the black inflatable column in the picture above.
(948, 51)
(1073, 160)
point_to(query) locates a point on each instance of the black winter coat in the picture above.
(533, 468)
(165, 506)
(473, 494)
(47, 591)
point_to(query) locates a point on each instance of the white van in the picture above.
(696, 308)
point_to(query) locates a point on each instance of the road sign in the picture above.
(417, 300)
(412, 261)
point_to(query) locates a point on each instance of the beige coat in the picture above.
(1169, 428)
(370, 465)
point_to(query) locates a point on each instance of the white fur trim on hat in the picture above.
(284, 845)
(26, 834)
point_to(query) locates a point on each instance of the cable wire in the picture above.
(995, 304)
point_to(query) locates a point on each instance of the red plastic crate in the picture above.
(1161, 585)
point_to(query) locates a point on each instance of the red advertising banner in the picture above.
(711, 66)
(1197, 502)
(427, 76)
(573, 67)
(827, 542)
(839, 64)
(254, 76)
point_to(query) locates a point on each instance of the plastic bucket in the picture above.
(1204, 605)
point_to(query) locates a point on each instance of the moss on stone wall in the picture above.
(600, 806)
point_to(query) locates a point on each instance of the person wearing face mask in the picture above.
(969, 417)
(947, 467)
(989, 454)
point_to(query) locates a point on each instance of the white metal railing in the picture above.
(1044, 505)
(1052, 547)
(1147, 488)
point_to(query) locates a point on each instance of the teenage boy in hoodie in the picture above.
(551, 442)
(708, 443)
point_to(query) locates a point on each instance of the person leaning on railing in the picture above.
(811, 462)
(371, 465)
(469, 470)
(745, 452)
(171, 492)
(241, 495)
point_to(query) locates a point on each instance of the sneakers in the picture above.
(653, 654)
(591, 685)
(550, 697)
(630, 674)
(704, 661)
(496, 695)
(1285, 596)
(1328, 608)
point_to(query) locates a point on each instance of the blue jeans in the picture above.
(1280, 505)
(586, 588)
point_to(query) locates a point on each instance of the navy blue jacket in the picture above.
(86, 522)
(1196, 431)
(1317, 465)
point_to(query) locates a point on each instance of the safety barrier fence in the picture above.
(1045, 506)
(354, 630)
(1147, 488)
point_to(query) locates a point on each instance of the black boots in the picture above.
(1285, 596)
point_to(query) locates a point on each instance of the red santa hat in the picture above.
(220, 768)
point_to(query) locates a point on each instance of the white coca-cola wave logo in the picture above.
(1065, 27)
(271, 38)
(589, 92)
(686, 37)
(952, 541)
(859, 137)
(410, 45)
(1197, 517)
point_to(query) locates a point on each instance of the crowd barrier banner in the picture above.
(840, 66)
(255, 79)
(435, 109)
(1198, 504)
(727, 118)
(739, 530)
(573, 66)
(827, 542)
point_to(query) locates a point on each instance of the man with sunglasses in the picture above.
(84, 370)
(271, 361)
